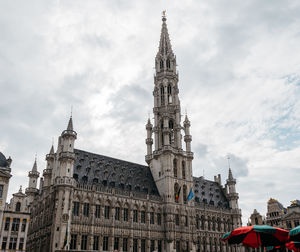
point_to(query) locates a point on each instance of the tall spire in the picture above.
(165, 47)
(70, 124)
(230, 177)
(52, 150)
(34, 168)
(165, 60)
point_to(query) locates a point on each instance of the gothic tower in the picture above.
(64, 184)
(170, 165)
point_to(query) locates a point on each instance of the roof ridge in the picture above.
(111, 158)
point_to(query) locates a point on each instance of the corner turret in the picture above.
(47, 173)
(33, 175)
(233, 198)
(65, 151)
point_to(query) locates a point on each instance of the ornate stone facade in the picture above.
(279, 216)
(92, 202)
(15, 214)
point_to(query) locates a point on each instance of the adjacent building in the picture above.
(278, 216)
(14, 215)
(87, 201)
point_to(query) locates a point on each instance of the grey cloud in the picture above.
(130, 103)
(239, 166)
(200, 150)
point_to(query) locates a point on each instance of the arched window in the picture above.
(183, 169)
(169, 94)
(184, 193)
(171, 133)
(168, 64)
(202, 222)
(18, 207)
(197, 222)
(161, 64)
(213, 224)
(208, 223)
(175, 167)
(176, 192)
(218, 224)
(162, 95)
(171, 124)
(162, 134)
(204, 244)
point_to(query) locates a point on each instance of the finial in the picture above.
(20, 190)
(70, 124)
(164, 15)
(71, 110)
(34, 168)
(185, 112)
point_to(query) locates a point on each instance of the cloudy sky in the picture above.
(239, 79)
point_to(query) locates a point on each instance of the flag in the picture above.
(191, 194)
(177, 194)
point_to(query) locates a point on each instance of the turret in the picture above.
(65, 151)
(64, 183)
(233, 196)
(187, 137)
(149, 139)
(47, 173)
(33, 175)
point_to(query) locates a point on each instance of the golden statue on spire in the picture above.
(164, 13)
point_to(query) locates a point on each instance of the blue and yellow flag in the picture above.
(191, 194)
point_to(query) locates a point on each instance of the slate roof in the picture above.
(209, 192)
(3, 161)
(101, 170)
(106, 171)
